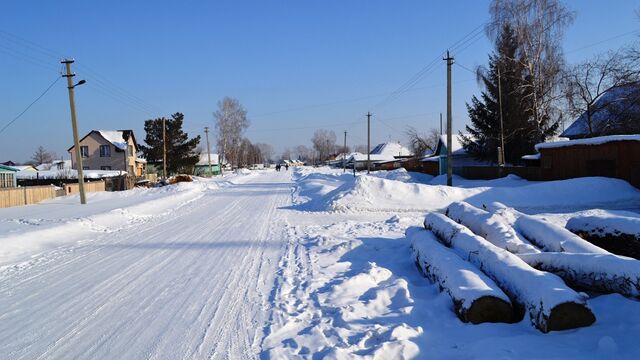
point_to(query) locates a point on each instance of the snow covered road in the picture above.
(192, 282)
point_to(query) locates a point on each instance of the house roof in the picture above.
(25, 168)
(8, 168)
(117, 138)
(456, 148)
(589, 141)
(204, 159)
(390, 149)
(613, 108)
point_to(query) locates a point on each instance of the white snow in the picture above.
(115, 137)
(605, 224)
(254, 265)
(554, 238)
(590, 141)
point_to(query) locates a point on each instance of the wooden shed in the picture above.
(616, 156)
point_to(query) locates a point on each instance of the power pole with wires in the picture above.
(440, 123)
(368, 143)
(449, 61)
(74, 126)
(206, 132)
(164, 148)
(344, 153)
(501, 159)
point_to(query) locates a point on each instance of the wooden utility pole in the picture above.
(164, 148)
(368, 142)
(440, 123)
(449, 60)
(501, 155)
(74, 127)
(206, 132)
(344, 153)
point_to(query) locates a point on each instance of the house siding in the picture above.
(116, 161)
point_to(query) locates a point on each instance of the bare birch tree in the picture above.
(231, 123)
(420, 143)
(324, 141)
(588, 81)
(42, 155)
(539, 27)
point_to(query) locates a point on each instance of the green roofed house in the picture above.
(202, 167)
(8, 177)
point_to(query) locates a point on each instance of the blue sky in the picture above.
(294, 65)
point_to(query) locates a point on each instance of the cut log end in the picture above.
(569, 316)
(489, 309)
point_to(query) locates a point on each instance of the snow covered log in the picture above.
(596, 272)
(490, 226)
(476, 298)
(550, 303)
(617, 234)
(554, 238)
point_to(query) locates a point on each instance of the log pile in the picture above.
(476, 298)
(617, 234)
(549, 302)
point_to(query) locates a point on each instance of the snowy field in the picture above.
(310, 263)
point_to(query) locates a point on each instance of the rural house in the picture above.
(7, 176)
(436, 163)
(110, 150)
(202, 166)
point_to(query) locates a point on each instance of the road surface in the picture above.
(192, 284)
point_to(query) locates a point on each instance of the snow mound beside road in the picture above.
(370, 193)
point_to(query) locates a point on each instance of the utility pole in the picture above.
(368, 142)
(449, 61)
(440, 123)
(501, 155)
(206, 132)
(74, 127)
(164, 148)
(344, 153)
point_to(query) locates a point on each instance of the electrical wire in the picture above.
(30, 105)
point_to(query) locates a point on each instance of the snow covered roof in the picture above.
(590, 141)
(531, 157)
(115, 137)
(25, 167)
(614, 108)
(390, 149)
(8, 168)
(204, 159)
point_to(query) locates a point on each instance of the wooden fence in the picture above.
(25, 195)
(88, 187)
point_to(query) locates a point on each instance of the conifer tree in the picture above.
(181, 154)
(484, 135)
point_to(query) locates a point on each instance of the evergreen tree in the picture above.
(520, 132)
(181, 154)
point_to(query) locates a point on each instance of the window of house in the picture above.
(105, 167)
(84, 151)
(105, 151)
(85, 168)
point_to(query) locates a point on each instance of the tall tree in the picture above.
(181, 151)
(266, 151)
(231, 123)
(42, 156)
(484, 132)
(539, 27)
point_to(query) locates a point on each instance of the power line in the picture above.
(28, 107)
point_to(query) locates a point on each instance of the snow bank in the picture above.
(551, 237)
(551, 305)
(597, 272)
(403, 175)
(105, 212)
(476, 298)
(376, 194)
(489, 226)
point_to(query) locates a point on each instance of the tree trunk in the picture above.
(476, 298)
(594, 272)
